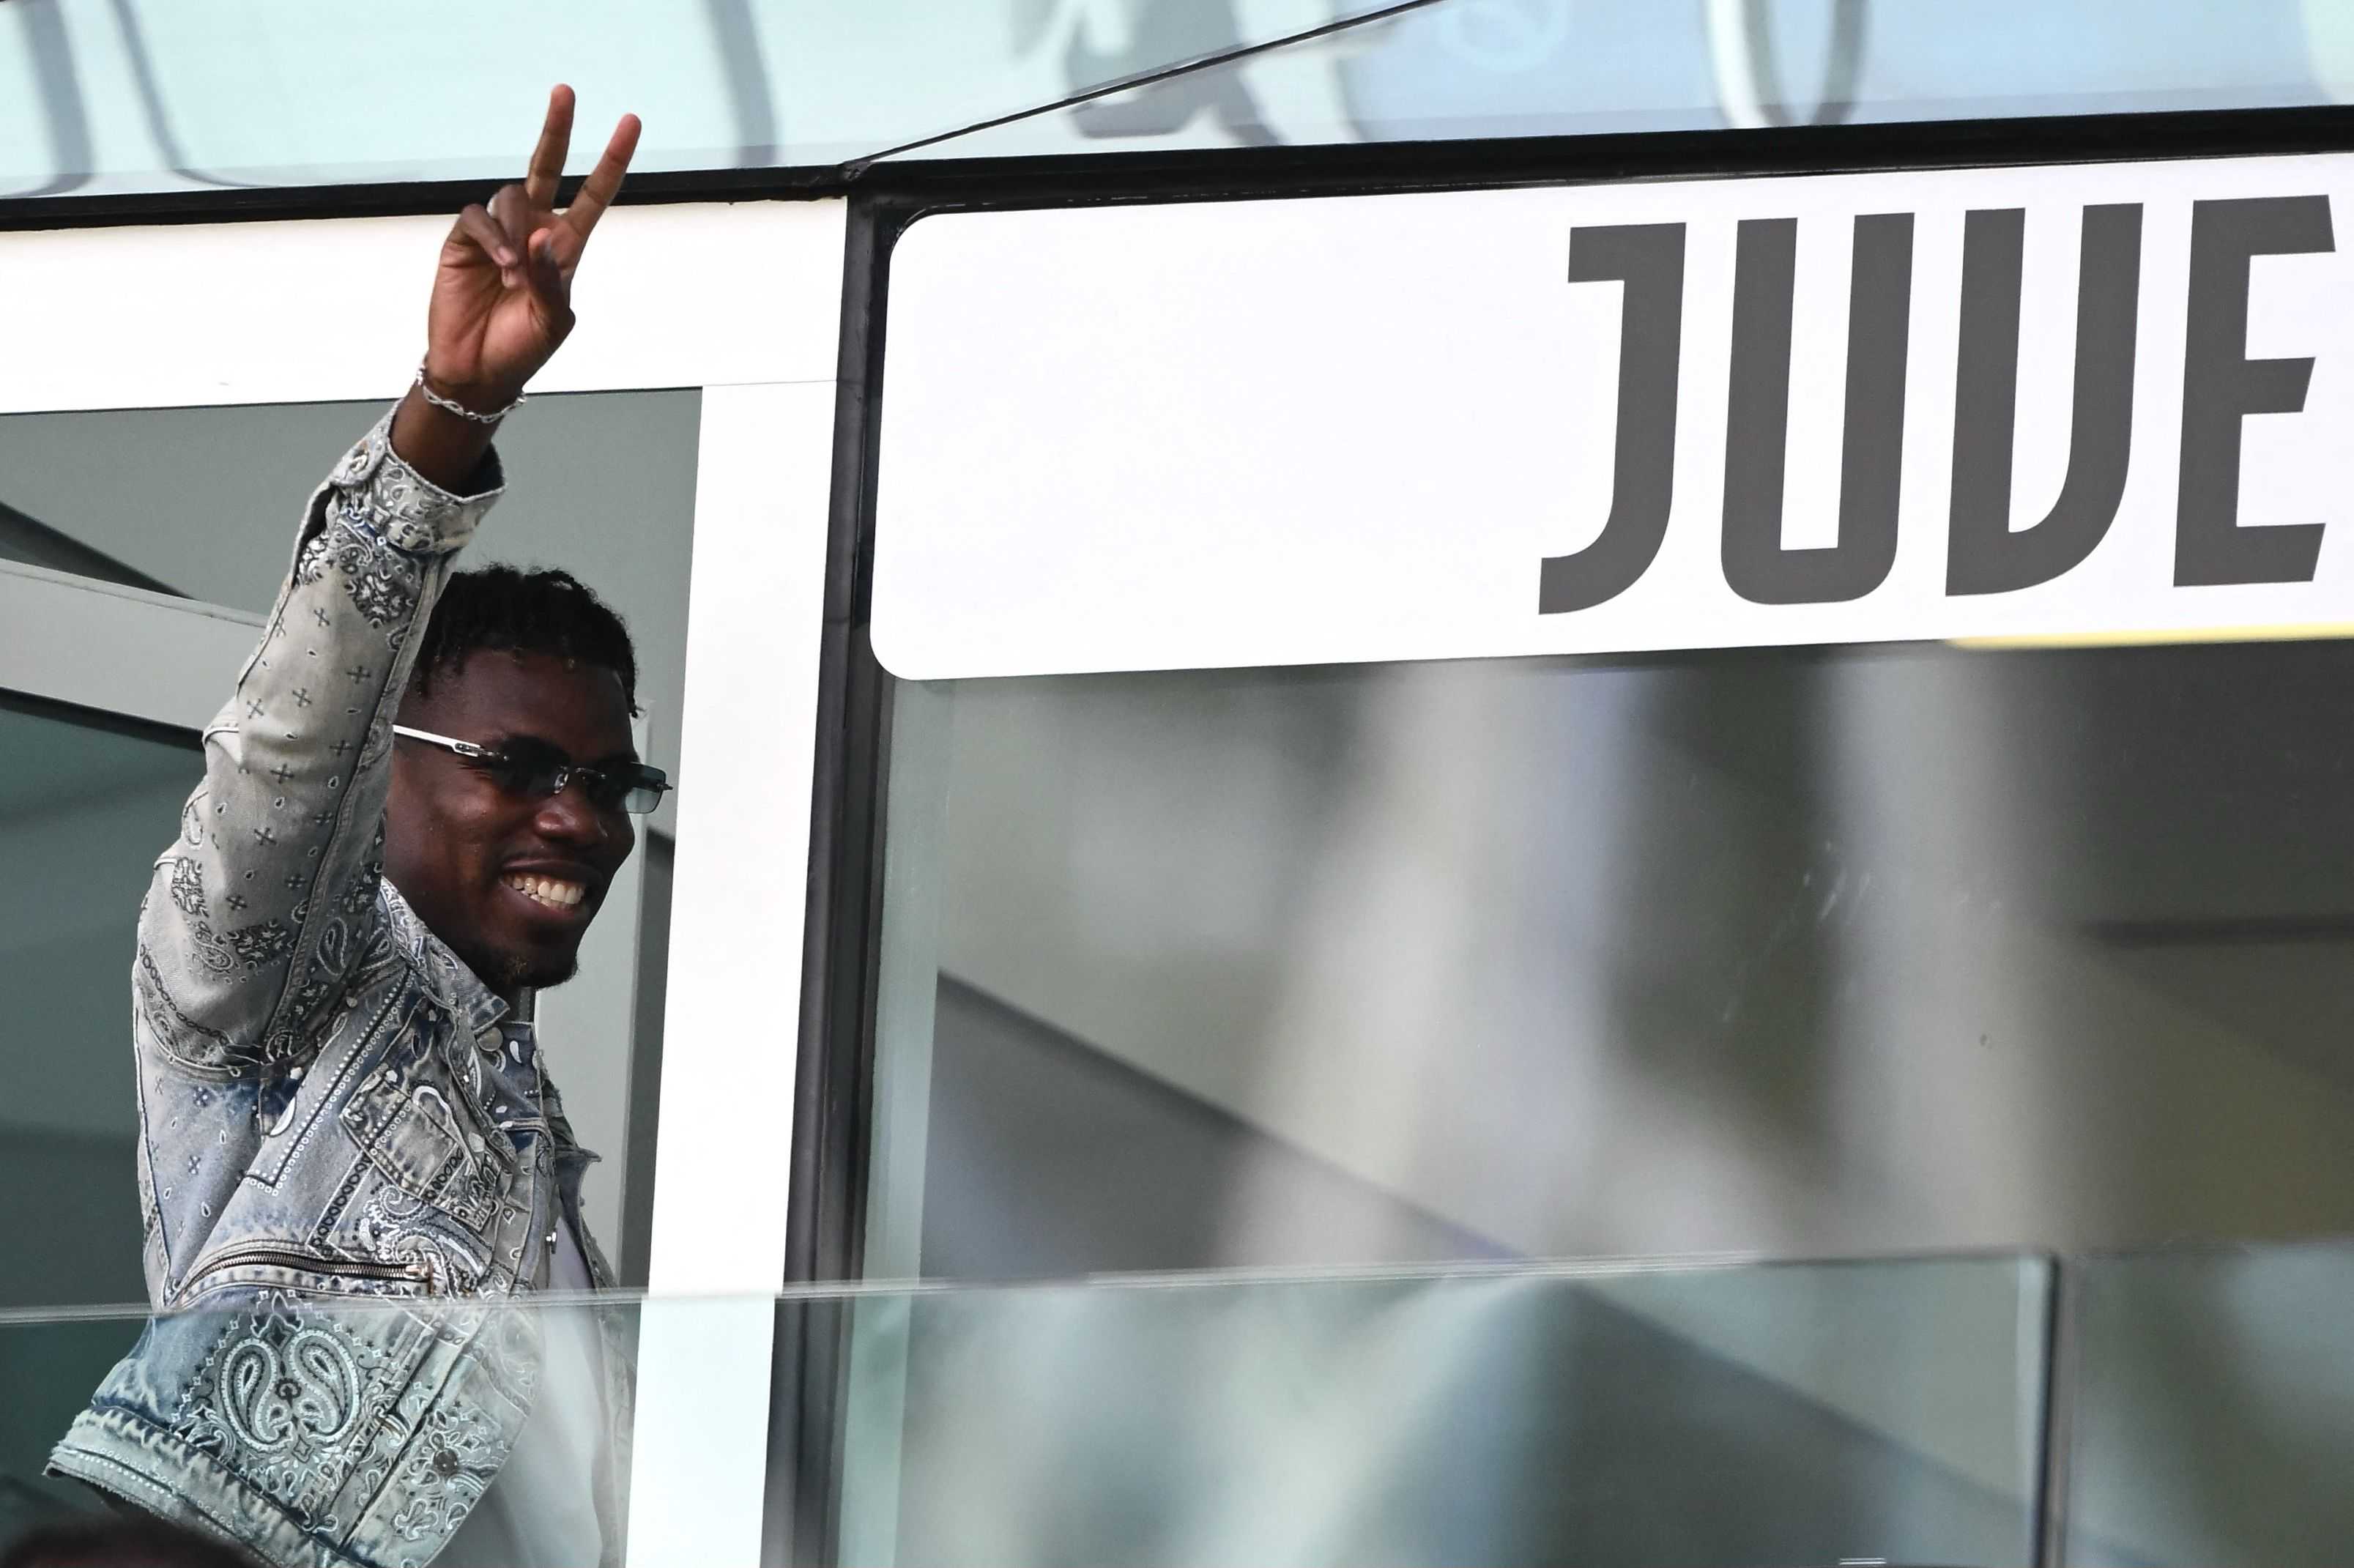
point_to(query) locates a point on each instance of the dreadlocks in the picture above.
(514, 611)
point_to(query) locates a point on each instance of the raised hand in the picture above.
(503, 298)
(502, 292)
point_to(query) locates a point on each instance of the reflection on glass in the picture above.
(334, 1430)
(2211, 1407)
(144, 95)
(1623, 1417)
(1781, 1415)
(47, 1368)
(1696, 1417)
(1808, 953)
(84, 807)
(1551, 68)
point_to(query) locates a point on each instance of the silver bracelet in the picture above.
(452, 406)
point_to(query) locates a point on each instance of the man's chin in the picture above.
(508, 971)
(546, 972)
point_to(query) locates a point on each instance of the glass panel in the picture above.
(145, 95)
(1695, 1414)
(48, 1368)
(1799, 1414)
(1550, 68)
(2211, 1407)
(1696, 1417)
(269, 1391)
(1808, 953)
(85, 805)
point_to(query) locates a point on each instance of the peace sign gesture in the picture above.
(503, 288)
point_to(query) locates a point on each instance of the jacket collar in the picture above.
(452, 984)
(459, 988)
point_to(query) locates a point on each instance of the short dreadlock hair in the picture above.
(512, 611)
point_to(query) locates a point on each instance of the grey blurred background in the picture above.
(1864, 953)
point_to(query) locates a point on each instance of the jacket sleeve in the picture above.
(268, 896)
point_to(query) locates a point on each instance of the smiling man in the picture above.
(413, 808)
(500, 858)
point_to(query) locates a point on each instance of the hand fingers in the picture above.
(554, 141)
(517, 220)
(545, 269)
(477, 224)
(604, 181)
(543, 275)
(563, 249)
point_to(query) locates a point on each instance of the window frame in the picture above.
(833, 1138)
(755, 334)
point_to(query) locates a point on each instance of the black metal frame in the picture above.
(825, 1205)
(16, 702)
(915, 185)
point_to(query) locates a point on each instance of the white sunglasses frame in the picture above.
(476, 751)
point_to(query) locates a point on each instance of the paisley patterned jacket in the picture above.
(332, 1214)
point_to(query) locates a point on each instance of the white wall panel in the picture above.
(691, 295)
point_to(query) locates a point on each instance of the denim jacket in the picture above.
(331, 1210)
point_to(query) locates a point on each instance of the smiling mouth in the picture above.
(552, 892)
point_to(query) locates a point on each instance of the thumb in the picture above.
(551, 295)
(543, 273)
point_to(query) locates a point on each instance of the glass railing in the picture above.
(1687, 1415)
(146, 95)
(2209, 1406)
(1893, 1410)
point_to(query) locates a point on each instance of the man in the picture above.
(411, 809)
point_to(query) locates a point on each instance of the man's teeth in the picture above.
(547, 890)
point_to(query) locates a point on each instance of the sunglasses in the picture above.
(534, 770)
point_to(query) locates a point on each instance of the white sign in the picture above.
(2024, 402)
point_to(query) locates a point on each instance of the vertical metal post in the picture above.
(2060, 1327)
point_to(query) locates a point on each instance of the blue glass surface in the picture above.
(153, 95)
(1473, 68)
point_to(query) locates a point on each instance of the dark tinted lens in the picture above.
(636, 791)
(525, 767)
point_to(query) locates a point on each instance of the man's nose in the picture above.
(569, 816)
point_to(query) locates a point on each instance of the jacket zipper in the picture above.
(237, 1256)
